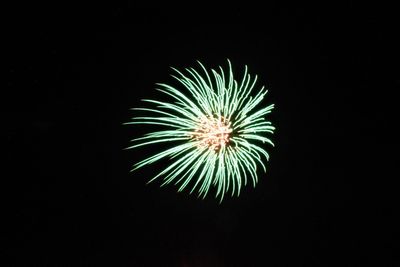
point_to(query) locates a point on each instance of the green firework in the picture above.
(215, 128)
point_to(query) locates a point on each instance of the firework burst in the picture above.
(215, 130)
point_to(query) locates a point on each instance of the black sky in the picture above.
(73, 72)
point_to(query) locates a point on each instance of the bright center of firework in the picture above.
(213, 132)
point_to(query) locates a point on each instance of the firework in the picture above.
(215, 128)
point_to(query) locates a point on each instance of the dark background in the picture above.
(73, 72)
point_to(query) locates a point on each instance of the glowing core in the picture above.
(213, 132)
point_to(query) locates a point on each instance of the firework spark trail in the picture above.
(213, 128)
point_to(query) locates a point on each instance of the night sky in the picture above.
(72, 74)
